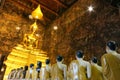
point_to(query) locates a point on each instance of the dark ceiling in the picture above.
(51, 9)
(115, 3)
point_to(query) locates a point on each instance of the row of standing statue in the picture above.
(78, 69)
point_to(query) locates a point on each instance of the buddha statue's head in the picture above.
(47, 61)
(59, 58)
(111, 46)
(79, 54)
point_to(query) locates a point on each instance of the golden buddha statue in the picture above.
(30, 40)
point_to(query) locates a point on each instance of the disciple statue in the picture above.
(30, 75)
(111, 62)
(38, 70)
(59, 70)
(79, 69)
(19, 74)
(96, 71)
(11, 74)
(24, 72)
(45, 73)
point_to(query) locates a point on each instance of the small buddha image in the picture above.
(111, 62)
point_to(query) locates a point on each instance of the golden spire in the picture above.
(37, 13)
